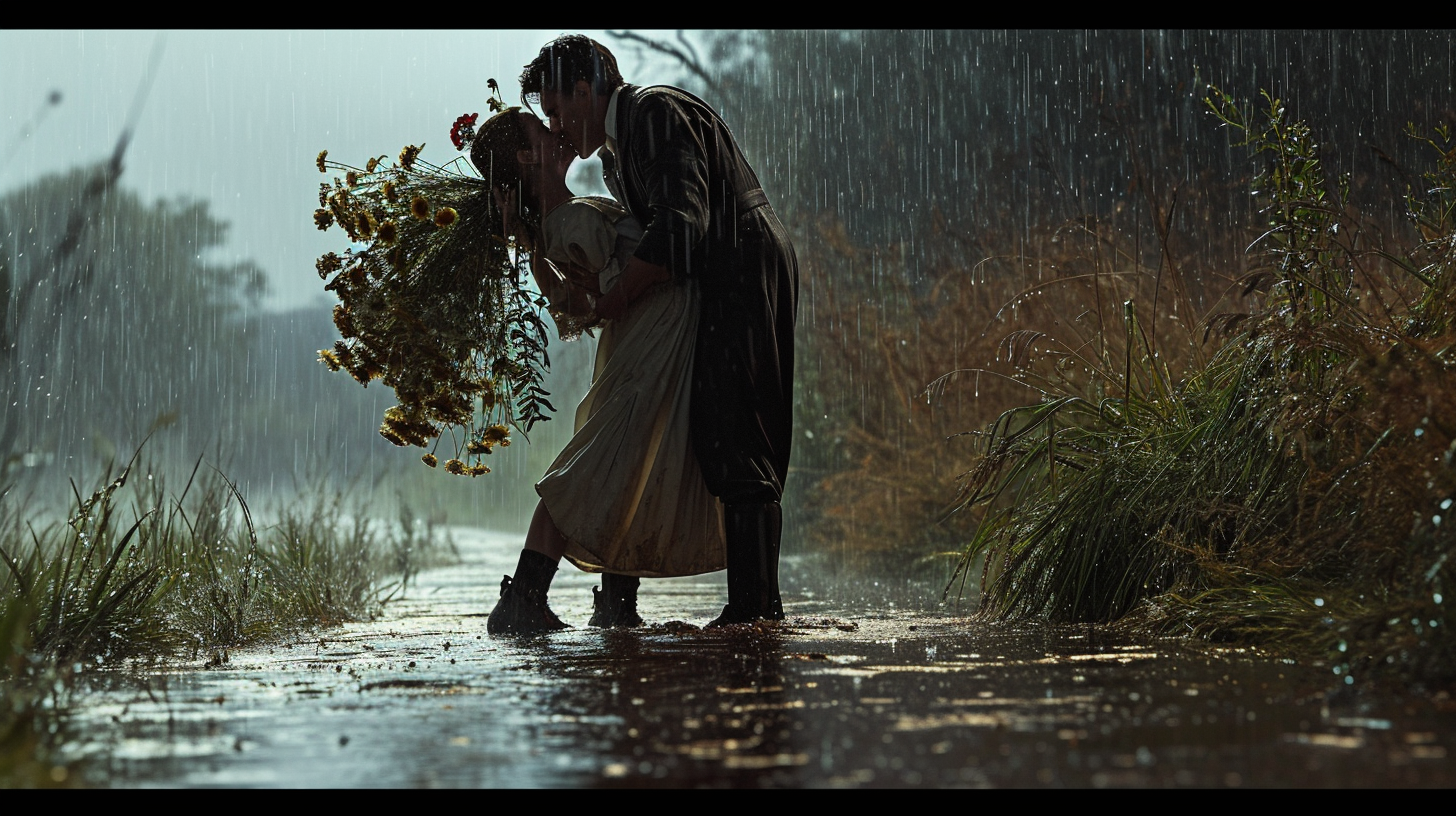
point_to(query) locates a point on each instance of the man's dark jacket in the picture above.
(680, 172)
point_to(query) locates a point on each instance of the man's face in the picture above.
(571, 116)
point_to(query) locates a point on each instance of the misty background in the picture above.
(927, 178)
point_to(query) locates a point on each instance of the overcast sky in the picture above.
(237, 117)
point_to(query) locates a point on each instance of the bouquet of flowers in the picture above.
(433, 302)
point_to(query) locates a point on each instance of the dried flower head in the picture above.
(328, 263)
(328, 358)
(429, 459)
(445, 216)
(388, 232)
(390, 193)
(351, 178)
(408, 155)
(323, 219)
(455, 466)
(323, 168)
(420, 207)
(371, 165)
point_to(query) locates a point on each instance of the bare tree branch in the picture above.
(683, 53)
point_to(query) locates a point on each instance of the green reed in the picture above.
(176, 575)
(1287, 487)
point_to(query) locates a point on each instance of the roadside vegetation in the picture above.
(137, 572)
(1277, 474)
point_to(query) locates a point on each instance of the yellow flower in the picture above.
(329, 359)
(430, 459)
(387, 232)
(320, 161)
(495, 434)
(455, 466)
(323, 219)
(408, 155)
(445, 216)
(420, 208)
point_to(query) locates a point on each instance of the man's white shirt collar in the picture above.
(611, 123)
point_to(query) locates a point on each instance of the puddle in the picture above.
(836, 697)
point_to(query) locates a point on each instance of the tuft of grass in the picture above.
(1287, 487)
(168, 575)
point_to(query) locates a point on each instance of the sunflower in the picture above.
(408, 155)
(445, 216)
(456, 467)
(388, 232)
(323, 154)
(420, 207)
(390, 194)
(323, 219)
(430, 459)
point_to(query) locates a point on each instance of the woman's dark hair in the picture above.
(493, 152)
(564, 61)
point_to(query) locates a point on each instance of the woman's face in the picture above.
(553, 151)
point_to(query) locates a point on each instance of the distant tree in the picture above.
(117, 327)
(930, 177)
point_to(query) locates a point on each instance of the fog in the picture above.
(928, 179)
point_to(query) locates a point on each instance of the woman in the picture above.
(626, 497)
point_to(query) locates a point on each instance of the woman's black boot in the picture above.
(522, 608)
(615, 603)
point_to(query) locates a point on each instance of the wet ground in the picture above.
(849, 692)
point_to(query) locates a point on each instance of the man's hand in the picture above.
(637, 278)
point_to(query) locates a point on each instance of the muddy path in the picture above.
(850, 691)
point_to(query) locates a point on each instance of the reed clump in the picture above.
(1284, 477)
(189, 575)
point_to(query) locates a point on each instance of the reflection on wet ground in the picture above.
(839, 695)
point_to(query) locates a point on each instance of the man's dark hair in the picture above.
(564, 61)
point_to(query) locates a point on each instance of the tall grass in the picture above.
(1288, 484)
(188, 574)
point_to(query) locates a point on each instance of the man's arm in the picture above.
(637, 276)
(670, 166)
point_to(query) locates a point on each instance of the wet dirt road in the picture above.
(845, 693)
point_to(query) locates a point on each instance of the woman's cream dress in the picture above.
(627, 491)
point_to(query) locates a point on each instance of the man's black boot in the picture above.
(615, 603)
(753, 532)
(522, 608)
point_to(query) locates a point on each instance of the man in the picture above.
(671, 161)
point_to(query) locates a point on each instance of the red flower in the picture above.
(463, 130)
